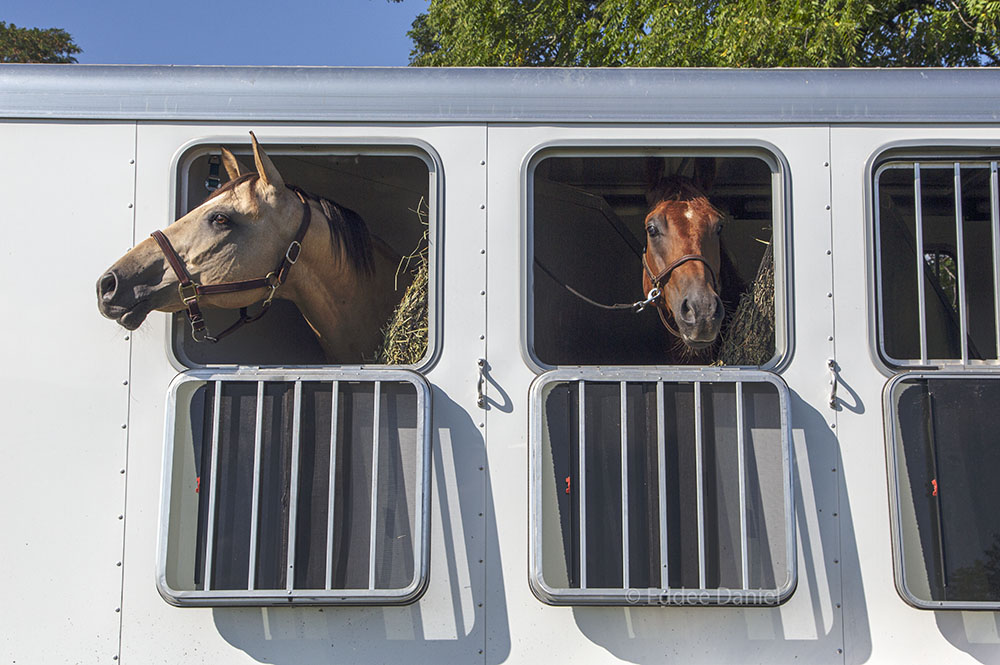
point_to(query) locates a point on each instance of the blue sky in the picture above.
(227, 32)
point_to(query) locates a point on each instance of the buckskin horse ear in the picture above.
(265, 167)
(233, 168)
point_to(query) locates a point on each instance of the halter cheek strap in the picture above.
(658, 281)
(190, 291)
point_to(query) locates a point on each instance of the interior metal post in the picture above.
(293, 499)
(661, 458)
(335, 389)
(255, 500)
(963, 310)
(373, 532)
(919, 232)
(995, 223)
(581, 482)
(700, 483)
(623, 393)
(213, 475)
(741, 464)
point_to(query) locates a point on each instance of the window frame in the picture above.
(895, 493)
(328, 597)
(371, 145)
(937, 151)
(719, 597)
(781, 236)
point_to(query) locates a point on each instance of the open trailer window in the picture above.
(310, 488)
(661, 490)
(937, 228)
(710, 226)
(943, 464)
(386, 197)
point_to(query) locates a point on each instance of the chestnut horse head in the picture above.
(682, 260)
(250, 241)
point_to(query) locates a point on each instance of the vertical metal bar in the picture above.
(255, 501)
(963, 310)
(921, 302)
(374, 512)
(623, 394)
(333, 484)
(293, 499)
(661, 458)
(581, 483)
(995, 223)
(213, 474)
(741, 464)
(700, 483)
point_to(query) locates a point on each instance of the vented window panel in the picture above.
(307, 488)
(661, 488)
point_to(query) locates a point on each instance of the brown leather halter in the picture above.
(655, 296)
(190, 290)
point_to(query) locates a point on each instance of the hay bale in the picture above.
(749, 338)
(405, 335)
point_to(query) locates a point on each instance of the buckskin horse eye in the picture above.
(219, 218)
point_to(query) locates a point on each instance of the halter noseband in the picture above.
(190, 290)
(658, 282)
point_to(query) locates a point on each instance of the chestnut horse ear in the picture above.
(704, 173)
(655, 167)
(265, 167)
(233, 168)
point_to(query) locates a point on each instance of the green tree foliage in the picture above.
(36, 45)
(707, 33)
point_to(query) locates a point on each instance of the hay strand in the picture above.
(749, 339)
(405, 335)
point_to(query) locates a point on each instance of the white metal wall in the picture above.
(879, 626)
(447, 624)
(64, 400)
(84, 400)
(809, 627)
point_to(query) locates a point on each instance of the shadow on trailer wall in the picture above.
(587, 219)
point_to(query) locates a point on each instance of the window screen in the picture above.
(587, 235)
(391, 188)
(310, 488)
(937, 230)
(944, 461)
(668, 490)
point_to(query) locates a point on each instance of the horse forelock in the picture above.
(681, 189)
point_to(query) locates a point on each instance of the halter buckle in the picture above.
(188, 292)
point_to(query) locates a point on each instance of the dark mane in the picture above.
(347, 229)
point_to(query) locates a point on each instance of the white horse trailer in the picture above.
(543, 486)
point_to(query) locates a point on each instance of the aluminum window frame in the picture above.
(781, 235)
(365, 144)
(956, 162)
(659, 596)
(325, 597)
(895, 496)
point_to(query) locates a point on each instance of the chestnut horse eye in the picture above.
(652, 230)
(718, 229)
